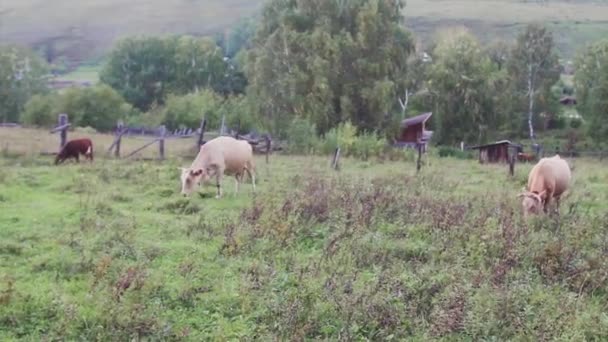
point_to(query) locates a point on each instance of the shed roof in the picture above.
(416, 119)
(501, 142)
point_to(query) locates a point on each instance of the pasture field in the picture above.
(111, 251)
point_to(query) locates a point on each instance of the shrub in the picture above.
(40, 111)
(448, 151)
(302, 136)
(344, 136)
(575, 123)
(187, 111)
(99, 107)
(238, 114)
(367, 145)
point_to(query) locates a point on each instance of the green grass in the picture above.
(83, 74)
(110, 251)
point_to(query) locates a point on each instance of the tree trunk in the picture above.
(530, 102)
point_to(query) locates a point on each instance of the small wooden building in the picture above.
(568, 100)
(413, 132)
(497, 152)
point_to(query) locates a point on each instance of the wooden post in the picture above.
(268, 147)
(419, 161)
(63, 136)
(336, 160)
(200, 136)
(161, 142)
(119, 132)
(512, 165)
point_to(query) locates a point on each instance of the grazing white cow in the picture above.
(548, 179)
(219, 156)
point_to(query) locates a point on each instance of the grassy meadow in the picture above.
(111, 251)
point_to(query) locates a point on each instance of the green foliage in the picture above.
(238, 38)
(344, 136)
(463, 82)
(187, 111)
(448, 151)
(534, 69)
(576, 123)
(21, 76)
(367, 145)
(328, 61)
(142, 70)
(238, 114)
(146, 70)
(591, 84)
(302, 136)
(99, 107)
(40, 111)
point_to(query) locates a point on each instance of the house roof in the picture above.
(416, 119)
(501, 142)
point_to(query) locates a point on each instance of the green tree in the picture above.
(328, 61)
(142, 70)
(199, 63)
(591, 86)
(534, 68)
(462, 83)
(22, 75)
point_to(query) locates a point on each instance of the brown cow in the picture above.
(73, 148)
(527, 157)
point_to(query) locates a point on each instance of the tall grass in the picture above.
(111, 252)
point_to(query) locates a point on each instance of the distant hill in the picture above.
(80, 30)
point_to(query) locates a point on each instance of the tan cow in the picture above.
(548, 179)
(219, 156)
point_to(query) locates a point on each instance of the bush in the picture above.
(576, 123)
(448, 151)
(99, 107)
(302, 136)
(40, 111)
(343, 136)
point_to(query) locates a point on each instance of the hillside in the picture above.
(81, 30)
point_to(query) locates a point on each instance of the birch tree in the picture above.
(534, 68)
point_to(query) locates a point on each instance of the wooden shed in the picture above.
(497, 152)
(413, 131)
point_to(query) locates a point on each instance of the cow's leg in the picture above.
(218, 178)
(547, 202)
(238, 177)
(251, 176)
(77, 158)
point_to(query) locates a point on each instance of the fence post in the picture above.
(63, 135)
(419, 161)
(268, 147)
(119, 128)
(336, 160)
(200, 136)
(222, 128)
(161, 142)
(512, 165)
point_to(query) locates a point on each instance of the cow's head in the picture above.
(532, 202)
(191, 178)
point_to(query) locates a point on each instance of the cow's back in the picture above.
(555, 171)
(227, 152)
